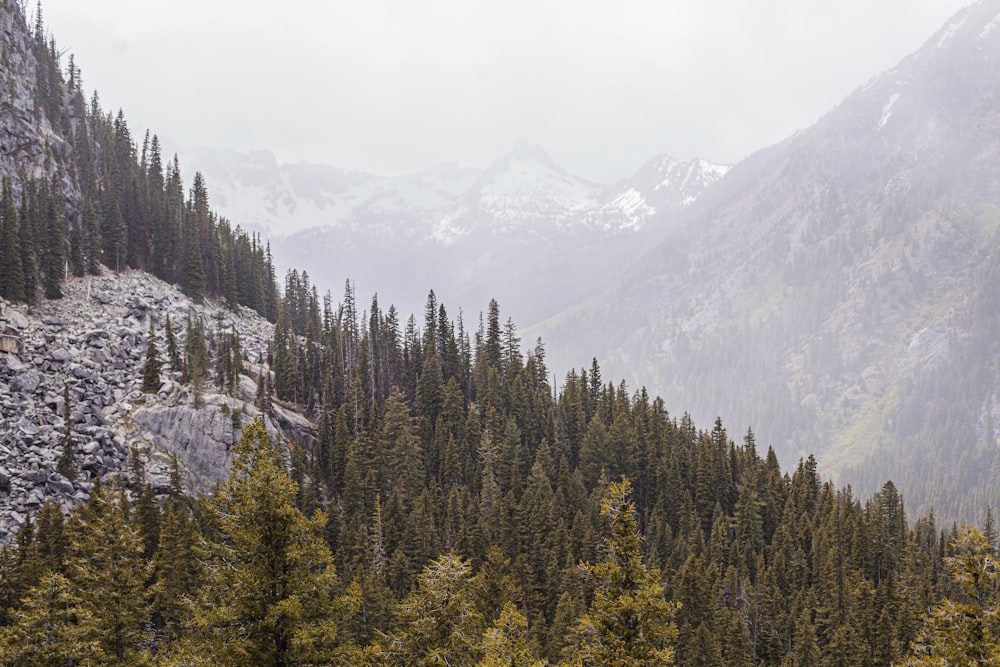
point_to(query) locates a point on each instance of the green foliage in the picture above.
(268, 596)
(51, 628)
(196, 359)
(439, 623)
(173, 354)
(11, 270)
(630, 620)
(506, 643)
(109, 570)
(964, 629)
(151, 368)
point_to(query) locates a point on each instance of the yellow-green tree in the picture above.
(109, 572)
(268, 596)
(506, 643)
(629, 622)
(439, 623)
(966, 630)
(51, 628)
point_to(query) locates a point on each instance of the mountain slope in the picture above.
(834, 290)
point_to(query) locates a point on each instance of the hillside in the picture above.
(837, 290)
(90, 347)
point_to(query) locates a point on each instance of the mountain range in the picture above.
(470, 234)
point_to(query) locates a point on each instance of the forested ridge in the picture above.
(455, 506)
(454, 509)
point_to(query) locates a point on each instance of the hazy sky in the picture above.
(397, 86)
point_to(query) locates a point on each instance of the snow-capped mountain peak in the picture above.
(523, 191)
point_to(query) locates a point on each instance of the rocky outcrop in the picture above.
(29, 145)
(93, 343)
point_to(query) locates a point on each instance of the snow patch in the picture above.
(989, 27)
(630, 200)
(887, 110)
(715, 171)
(949, 31)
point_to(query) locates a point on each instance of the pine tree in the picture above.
(172, 353)
(964, 630)
(629, 621)
(176, 571)
(439, 623)
(51, 628)
(11, 269)
(192, 277)
(77, 262)
(506, 644)
(28, 231)
(66, 466)
(268, 597)
(92, 242)
(109, 570)
(196, 359)
(52, 264)
(151, 368)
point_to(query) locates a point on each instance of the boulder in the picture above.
(11, 344)
(27, 381)
(16, 319)
(56, 483)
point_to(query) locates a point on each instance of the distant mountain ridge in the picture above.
(471, 234)
(523, 187)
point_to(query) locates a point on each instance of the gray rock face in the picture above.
(201, 438)
(95, 347)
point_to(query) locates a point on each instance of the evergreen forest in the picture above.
(456, 504)
(453, 509)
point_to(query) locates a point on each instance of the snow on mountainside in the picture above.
(523, 190)
(253, 190)
(470, 234)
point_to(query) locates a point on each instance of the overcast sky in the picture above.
(399, 86)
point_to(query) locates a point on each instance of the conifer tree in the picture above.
(11, 270)
(110, 571)
(172, 352)
(268, 596)
(54, 236)
(91, 240)
(196, 359)
(28, 231)
(51, 628)
(506, 643)
(629, 622)
(964, 629)
(66, 466)
(439, 621)
(151, 368)
(176, 571)
(192, 276)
